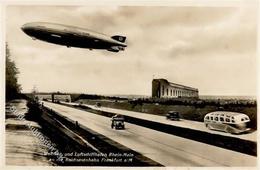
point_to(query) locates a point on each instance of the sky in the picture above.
(209, 48)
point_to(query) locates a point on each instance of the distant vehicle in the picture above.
(173, 115)
(56, 101)
(118, 122)
(72, 36)
(98, 104)
(230, 122)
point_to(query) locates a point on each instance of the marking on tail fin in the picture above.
(119, 38)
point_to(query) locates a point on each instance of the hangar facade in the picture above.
(162, 88)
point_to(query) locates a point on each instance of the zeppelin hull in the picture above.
(73, 37)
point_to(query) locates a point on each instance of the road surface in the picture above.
(166, 149)
(183, 123)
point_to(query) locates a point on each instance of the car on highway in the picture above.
(230, 122)
(173, 115)
(118, 122)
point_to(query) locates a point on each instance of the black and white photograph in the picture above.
(130, 85)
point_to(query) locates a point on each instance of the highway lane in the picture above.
(166, 149)
(183, 123)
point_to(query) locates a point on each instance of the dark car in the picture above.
(173, 115)
(118, 122)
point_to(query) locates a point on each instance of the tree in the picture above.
(12, 88)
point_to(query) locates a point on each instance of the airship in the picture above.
(72, 36)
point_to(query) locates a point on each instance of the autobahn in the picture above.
(166, 149)
(252, 136)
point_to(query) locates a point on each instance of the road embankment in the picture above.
(23, 146)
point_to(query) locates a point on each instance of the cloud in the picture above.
(188, 45)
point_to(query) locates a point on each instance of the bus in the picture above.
(230, 122)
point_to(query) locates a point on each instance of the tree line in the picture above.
(12, 87)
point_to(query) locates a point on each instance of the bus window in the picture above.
(207, 117)
(211, 118)
(242, 119)
(227, 120)
(233, 121)
(216, 118)
(221, 119)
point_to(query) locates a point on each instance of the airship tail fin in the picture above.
(119, 38)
